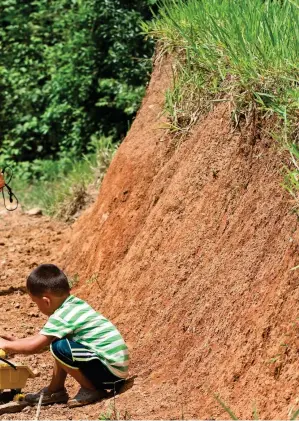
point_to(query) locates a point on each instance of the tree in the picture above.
(69, 70)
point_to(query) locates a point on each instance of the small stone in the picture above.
(34, 212)
(32, 264)
(17, 305)
(105, 216)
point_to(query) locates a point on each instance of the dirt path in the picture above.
(26, 241)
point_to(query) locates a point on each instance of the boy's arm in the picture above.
(30, 345)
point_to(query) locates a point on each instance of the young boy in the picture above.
(84, 344)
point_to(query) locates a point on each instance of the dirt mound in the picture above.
(189, 251)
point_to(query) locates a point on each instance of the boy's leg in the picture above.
(74, 372)
(80, 363)
(89, 376)
(64, 364)
(55, 392)
(58, 378)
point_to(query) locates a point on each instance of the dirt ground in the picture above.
(191, 250)
(25, 242)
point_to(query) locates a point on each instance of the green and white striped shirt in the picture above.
(78, 321)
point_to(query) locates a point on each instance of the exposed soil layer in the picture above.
(26, 242)
(189, 250)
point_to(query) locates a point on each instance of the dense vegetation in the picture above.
(72, 76)
(241, 52)
(71, 71)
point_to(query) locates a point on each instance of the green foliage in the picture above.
(69, 70)
(60, 188)
(242, 52)
(112, 413)
(255, 415)
(74, 280)
(225, 407)
(291, 175)
(248, 46)
(294, 416)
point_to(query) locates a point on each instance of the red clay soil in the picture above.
(26, 242)
(189, 251)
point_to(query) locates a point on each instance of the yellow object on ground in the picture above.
(14, 379)
(19, 397)
(2, 353)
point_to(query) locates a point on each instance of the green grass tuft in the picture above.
(241, 52)
(60, 188)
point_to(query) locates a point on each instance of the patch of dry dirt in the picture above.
(26, 242)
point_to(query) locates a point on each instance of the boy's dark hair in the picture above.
(47, 278)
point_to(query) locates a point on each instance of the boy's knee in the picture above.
(61, 350)
(60, 347)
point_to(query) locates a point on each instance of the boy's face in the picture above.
(44, 304)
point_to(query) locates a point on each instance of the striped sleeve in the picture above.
(57, 327)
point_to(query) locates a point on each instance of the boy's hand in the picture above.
(3, 344)
(30, 345)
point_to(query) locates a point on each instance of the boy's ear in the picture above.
(47, 301)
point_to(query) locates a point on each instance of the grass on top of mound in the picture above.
(242, 52)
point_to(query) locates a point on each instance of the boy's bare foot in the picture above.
(49, 397)
(86, 396)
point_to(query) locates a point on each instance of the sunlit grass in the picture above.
(62, 190)
(293, 415)
(243, 52)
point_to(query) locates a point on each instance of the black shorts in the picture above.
(77, 356)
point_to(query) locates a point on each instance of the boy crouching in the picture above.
(84, 343)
